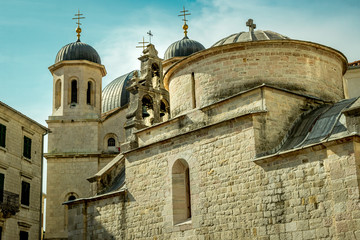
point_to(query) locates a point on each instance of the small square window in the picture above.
(25, 193)
(27, 147)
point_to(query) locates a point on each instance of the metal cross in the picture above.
(143, 44)
(184, 14)
(251, 25)
(150, 35)
(78, 17)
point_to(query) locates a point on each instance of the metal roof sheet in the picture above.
(115, 94)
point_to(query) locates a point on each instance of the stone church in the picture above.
(255, 137)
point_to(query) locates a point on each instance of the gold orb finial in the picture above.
(78, 29)
(184, 13)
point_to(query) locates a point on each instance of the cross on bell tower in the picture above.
(251, 25)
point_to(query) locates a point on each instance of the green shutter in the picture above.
(2, 135)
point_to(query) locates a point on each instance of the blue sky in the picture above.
(33, 31)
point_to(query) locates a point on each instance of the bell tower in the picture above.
(149, 100)
(73, 143)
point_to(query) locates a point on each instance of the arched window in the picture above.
(147, 110)
(155, 70)
(58, 94)
(90, 94)
(111, 142)
(68, 197)
(74, 91)
(181, 194)
(164, 114)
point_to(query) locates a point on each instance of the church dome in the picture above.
(115, 94)
(78, 51)
(183, 48)
(250, 36)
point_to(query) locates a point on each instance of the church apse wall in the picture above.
(222, 71)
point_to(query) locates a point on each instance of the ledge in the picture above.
(315, 146)
(97, 197)
(4, 149)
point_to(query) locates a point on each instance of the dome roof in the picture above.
(115, 94)
(258, 35)
(78, 51)
(183, 48)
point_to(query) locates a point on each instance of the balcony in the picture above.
(9, 204)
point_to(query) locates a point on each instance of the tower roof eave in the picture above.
(60, 64)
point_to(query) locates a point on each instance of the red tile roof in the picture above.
(353, 64)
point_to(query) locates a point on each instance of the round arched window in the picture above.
(111, 142)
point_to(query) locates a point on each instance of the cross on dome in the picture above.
(78, 29)
(251, 25)
(184, 13)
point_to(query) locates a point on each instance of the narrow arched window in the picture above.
(181, 194)
(89, 93)
(147, 107)
(74, 91)
(58, 94)
(111, 142)
(164, 114)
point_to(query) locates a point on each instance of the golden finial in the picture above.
(78, 29)
(184, 13)
(143, 44)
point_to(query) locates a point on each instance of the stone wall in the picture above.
(352, 82)
(100, 218)
(220, 72)
(66, 176)
(113, 126)
(76, 136)
(312, 193)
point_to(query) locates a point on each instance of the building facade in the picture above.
(252, 138)
(21, 153)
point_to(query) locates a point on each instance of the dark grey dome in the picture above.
(78, 51)
(257, 35)
(183, 48)
(115, 94)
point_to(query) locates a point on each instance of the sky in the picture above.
(32, 32)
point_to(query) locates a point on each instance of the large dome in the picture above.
(258, 35)
(115, 94)
(78, 51)
(183, 48)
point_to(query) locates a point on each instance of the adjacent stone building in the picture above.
(252, 138)
(21, 154)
